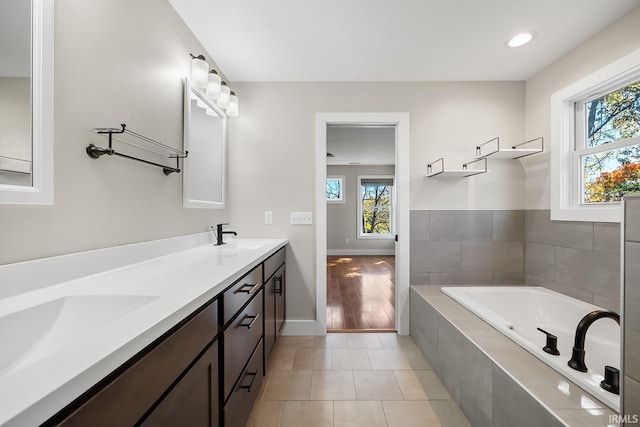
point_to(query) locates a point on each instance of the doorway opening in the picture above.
(360, 227)
(363, 258)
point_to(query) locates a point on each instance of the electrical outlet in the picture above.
(305, 218)
(346, 240)
(268, 217)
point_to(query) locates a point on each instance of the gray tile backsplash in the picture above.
(467, 247)
(461, 225)
(576, 258)
(631, 309)
(569, 234)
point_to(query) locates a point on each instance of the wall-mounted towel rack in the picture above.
(464, 172)
(514, 152)
(13, 164)
(96, 152)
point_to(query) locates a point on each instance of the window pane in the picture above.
(611, 174)
(376, 208)
(334, 189)
(613, 116)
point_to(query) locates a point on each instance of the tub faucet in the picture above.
(220, 233)
(577, 357)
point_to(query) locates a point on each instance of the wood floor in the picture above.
(361, 293)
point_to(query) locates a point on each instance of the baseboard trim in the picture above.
(301, 327)
(346, 252)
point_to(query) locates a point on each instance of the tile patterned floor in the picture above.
(351, 380)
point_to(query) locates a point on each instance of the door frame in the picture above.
(401, 122)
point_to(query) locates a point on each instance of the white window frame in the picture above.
(391, 234)
(342, 180)
(566, 170)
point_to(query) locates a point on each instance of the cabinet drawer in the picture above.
(242, 291)
(238, 408)
(240, 338)
(272, 263)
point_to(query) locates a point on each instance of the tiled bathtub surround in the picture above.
(631, 316)
(579, 259)
(494, 381)
(576, 258)
(467, 247)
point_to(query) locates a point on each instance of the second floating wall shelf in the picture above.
(492, 149)
(437, 168)
(96, 152)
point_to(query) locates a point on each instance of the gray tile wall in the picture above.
(467, 247)
(577, 258)
(631, 317)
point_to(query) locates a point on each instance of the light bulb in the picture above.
(213, 85)
(224, 97)
(232, 109)
(199, 71)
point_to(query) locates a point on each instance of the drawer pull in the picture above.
(278, 280)
(250, 374)
(250, 324)
(248, 288)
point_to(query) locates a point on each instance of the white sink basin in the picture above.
(35, 332)
(239, 245)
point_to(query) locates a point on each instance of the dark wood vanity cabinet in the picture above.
(161, 377)
(274, 299)
(205, 371)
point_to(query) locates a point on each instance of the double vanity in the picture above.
(171, 332)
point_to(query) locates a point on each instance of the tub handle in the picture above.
(551, 346)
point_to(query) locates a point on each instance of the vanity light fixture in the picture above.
(199, 71)
(520, 39)
(213, 85)
(232, 109)
(225, 96)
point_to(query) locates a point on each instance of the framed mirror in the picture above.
(205, 139)
(26, 102)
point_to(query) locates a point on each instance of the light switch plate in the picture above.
(304, 218)
(268, 217)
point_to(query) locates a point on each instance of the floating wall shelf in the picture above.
(437, 168)
(492, 149)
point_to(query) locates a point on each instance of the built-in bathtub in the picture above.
(516, 311)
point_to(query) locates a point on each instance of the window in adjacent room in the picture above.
(596, 143)
(375, 207)
(335, 189)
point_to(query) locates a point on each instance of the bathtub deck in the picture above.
(495, 381)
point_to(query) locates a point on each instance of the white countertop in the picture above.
(162, 291)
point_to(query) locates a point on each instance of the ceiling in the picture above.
(391, 40)
(361, 145)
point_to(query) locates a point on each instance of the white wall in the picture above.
(112, 65)
(271, 155)
(342, 218)
(617, 40)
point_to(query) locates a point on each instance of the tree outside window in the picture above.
(376, 207)
(610, 149)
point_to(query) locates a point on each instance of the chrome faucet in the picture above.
(220, 233)
(577, 357)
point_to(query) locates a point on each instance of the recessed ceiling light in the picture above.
(520, 39)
